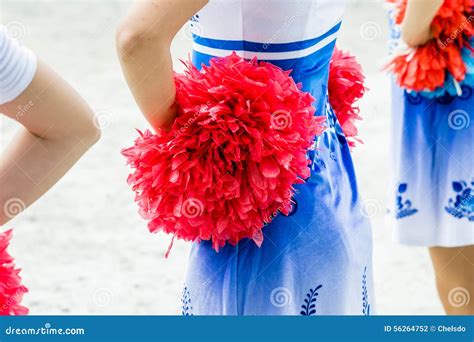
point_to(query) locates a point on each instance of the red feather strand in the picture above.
(345, 88)
(424, 68)
(234, 152)
(11, 290)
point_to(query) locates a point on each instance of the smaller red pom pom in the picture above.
(453, 17)
(11, 290)
(426, 67)
(345, 88)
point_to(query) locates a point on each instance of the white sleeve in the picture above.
(17, 67)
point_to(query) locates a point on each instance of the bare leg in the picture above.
(454, 269)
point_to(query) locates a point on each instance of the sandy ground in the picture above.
(83, 247)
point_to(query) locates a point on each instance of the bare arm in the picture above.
(143, 45)
(416, 27)
(58, 129)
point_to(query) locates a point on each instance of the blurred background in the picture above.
(84, 249)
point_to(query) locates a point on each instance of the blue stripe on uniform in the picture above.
(313, 61)
(239, 45)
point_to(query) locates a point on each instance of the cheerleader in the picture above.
(433, 142)
(316, 260)
(57, 127)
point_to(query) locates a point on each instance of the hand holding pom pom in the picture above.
(11, 290)
(232, 156)
(433, 66)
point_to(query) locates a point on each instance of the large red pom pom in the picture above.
(11, 290)
(345, 87)
(425, 68)
(234, 152)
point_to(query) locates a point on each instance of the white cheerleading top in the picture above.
(295, 28)
(17, 67)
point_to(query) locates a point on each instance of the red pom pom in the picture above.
(345, 87)
(425, 68)
(234, 152)
(452, 17)
(11, 290)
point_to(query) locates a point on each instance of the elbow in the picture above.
(131, 41)
(127, 41)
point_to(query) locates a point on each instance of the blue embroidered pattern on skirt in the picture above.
(404, 206)
(186, 307)
(445, 99)
(462, 205)
(309, 306)
(317, 163)
(333, 135)
(413, 98)
(365, 294)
